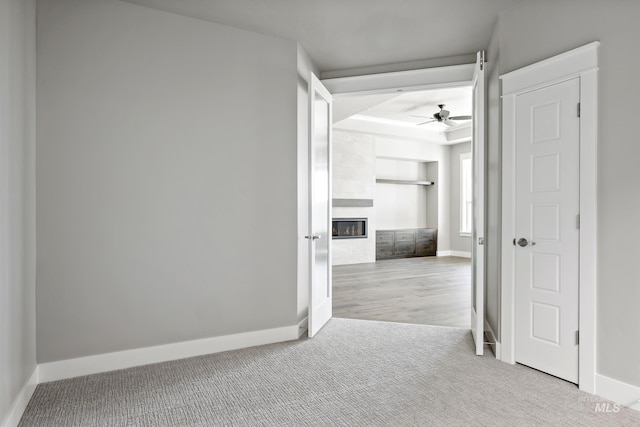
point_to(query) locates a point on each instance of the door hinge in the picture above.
(578, 222)
(483, 59)
(577, 337)
(578, 109)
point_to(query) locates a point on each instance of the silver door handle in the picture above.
(522, 242)
(314, 237)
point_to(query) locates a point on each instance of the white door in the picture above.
(320, 299)
(547, 144)
(477, 247)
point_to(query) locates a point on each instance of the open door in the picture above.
(320, 298)
(477, 245)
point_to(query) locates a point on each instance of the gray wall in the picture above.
(17, 199)
(458, 243)
(166, 179)
(536, 30)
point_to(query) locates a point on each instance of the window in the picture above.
(466, 194)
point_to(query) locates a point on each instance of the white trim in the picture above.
(581, 63)
(464, 234)
(427, 78)
(507, 301)
(618, 391)
(303, 326)
(493, 341)
(588, 227)
(21, 401)
(53, 371)
(460, 254)
(560, 67)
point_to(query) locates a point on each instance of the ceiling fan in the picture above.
(442, 116)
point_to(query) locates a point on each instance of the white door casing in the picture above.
(479, 180)
(547, 203)
(320, 293)
(432, 78)
(581, 64)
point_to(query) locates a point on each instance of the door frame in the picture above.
(426, 78)
(581, 63)
(412, 80)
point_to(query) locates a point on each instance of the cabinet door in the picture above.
(405, 248)
(405, 243)
(426, 234)
(405, 236)
(426, 242)
(384, 244)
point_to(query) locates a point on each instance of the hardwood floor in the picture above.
(425, 290)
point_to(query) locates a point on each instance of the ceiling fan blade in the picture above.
(424, 123)
(460, 118)
(447, 123)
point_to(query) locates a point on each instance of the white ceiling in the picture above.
(404, 107)
(392, 114)
(342, 34)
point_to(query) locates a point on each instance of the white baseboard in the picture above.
(303, 326)
(495, 344)
(22, 400)
(454, 253)
(53, 371)
(617, 391)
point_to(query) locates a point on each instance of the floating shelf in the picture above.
(352, 203)
(402, 181)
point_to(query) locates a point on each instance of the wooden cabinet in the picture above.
(408, 243)
(384, 244)
(426, 241)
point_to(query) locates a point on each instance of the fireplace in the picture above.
(349, 228)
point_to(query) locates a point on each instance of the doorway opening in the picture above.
(320, 173)
(402, 160)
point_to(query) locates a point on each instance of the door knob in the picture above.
(522, 242)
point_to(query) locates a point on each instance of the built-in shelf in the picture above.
(402, 181)
(352, 203)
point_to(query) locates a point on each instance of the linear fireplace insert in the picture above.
(349, 228)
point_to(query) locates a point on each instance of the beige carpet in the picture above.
(354, 373)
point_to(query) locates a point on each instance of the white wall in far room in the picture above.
(401, 206)
(458, 243)
(353, 159)
(423, 151)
